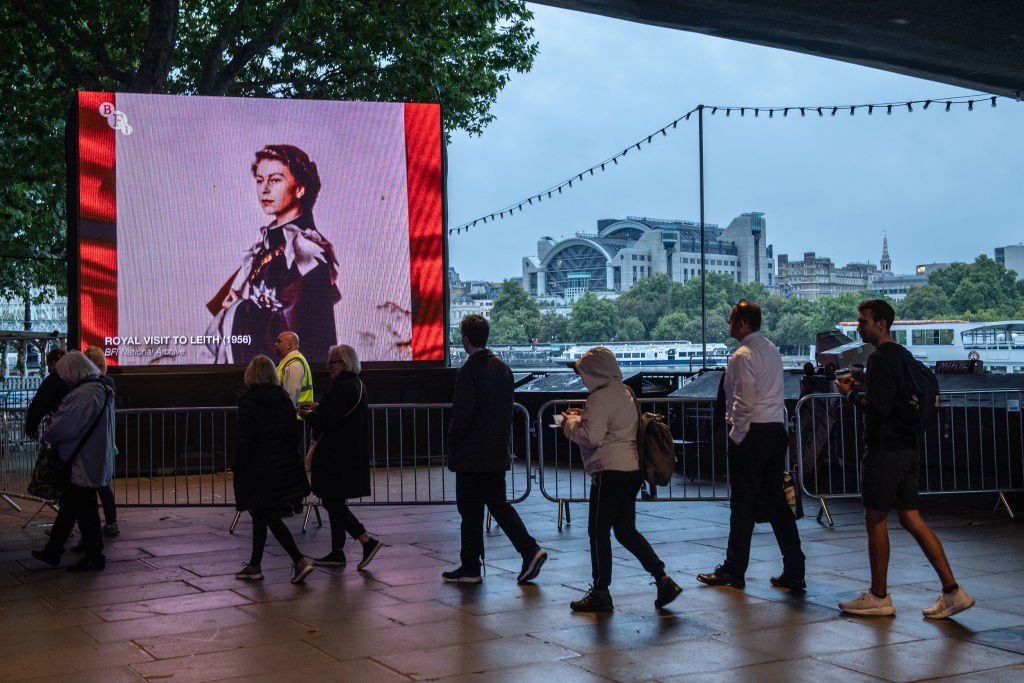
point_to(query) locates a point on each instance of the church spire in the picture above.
(886, 261)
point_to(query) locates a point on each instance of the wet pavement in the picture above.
(168, 608)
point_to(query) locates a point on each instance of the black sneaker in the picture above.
(596, 600)
(301, 569)
(335, 558)
(721, 577)
(668, 590)
(52, 559)
(250, 572)
(461, 575)
(370, 549)
(89, 564)
(793, 583)
(532, 562)
(111, 529)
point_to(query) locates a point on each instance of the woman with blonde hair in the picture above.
(110, 528)
(340, 463)
(267, 471)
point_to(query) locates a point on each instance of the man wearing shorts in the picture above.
(889, 470)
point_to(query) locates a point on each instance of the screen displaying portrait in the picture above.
(206, 226)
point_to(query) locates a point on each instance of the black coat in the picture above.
(48, 396)
(480, 432)
(341, 425)
(268, 468)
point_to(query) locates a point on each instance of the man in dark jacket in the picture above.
(479, 439)
(48, 396)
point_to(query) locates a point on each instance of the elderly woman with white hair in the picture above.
(82, 428)
(340, 462)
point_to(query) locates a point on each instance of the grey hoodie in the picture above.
(606, 432)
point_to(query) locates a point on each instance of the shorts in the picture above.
(889, 479)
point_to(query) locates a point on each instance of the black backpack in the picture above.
(922, 392)
(655, 446)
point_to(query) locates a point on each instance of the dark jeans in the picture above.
(342, 522)
(268, 518)
(474, 490)
(107, 501)
(613, 507)
(756, 468)
(77, 504)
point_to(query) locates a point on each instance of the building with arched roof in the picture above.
(622, 251)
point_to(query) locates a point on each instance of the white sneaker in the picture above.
(870, 606)
(949, 604)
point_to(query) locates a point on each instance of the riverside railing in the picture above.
(975, 444)
(183, 456)
(702, 469)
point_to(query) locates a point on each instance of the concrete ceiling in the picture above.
(975, 44)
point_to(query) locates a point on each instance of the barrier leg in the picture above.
(10, 501)
(487, 523)
(36, 513)
(563, 505)
(315, 508)
(823, 510)
(234, 522)
(1005, 503)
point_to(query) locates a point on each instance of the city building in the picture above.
(1012, 257)
(621, 252)
(816, 276)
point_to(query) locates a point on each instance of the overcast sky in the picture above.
(942, 186)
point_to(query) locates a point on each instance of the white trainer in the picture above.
(949, 604)
(868, 605)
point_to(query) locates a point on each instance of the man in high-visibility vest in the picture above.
(297, 380)
(296, 377)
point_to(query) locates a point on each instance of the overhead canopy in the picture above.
(966, 43)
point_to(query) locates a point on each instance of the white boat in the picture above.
(676, 354)
(999, 345)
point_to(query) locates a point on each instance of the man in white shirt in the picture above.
(758, 441)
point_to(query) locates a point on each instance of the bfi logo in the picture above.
(117, 120)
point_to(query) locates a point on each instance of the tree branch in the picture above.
(158, 50)
(216, 81)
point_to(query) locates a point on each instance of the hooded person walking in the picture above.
(605, 431)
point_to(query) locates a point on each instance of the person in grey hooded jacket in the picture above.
(89, 402)
(606, 434)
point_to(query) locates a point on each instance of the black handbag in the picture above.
(51, 476)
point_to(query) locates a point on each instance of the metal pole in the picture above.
(703, 269)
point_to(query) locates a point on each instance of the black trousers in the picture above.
(756, 468)
(474, 490)
(78, 504)
(342, 522)
(269, 518)
(613, 508)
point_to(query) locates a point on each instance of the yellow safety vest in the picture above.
(306, 388)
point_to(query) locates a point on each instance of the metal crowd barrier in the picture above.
(702, 471)
(974, 445)
(182, 456)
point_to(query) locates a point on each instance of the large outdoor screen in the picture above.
(205, 226)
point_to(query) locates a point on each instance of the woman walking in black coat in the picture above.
(267, 471)
(340, 462)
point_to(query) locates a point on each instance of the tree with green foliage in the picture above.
(829, 311)
(553, 328)
(984, 285)
(515, 317)
(593, 319)
(923, 303)
(648, 300)
(672, 327)
(460, 53)
(630, 329)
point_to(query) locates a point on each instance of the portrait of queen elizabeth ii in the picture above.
(288, 278)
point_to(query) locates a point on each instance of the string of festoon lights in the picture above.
(886, 108)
